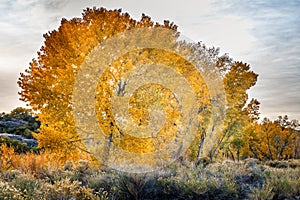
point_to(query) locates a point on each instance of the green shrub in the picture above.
(286, 183)
(278, 164)
(262, 193)
(9, 192)
(66, 189)
(18, 146)
(28, 186)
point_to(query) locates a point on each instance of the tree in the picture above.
(48, 84)
(252, 110)
(273, 140)
(20, 121)
(237, 79)
(288, 144)
(247, 133)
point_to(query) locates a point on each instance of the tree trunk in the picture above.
(231, 154)
(269, 147)
(201, 144)
(213, 150)
(108, 142)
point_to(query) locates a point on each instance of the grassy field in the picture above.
(249, 179)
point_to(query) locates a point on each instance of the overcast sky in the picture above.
(263, 33)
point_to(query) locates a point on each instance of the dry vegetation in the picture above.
(60, 168)
(31, 176)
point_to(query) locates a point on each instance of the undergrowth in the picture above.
(41, 178)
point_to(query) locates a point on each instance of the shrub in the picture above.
(6, 157)
(78, 180)
(9, 192)
(66, 189)
(28, 186)
(286, 183)
(40, 165)
(18, 146)
(277, 164)
(262, 193)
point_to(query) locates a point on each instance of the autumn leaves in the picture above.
(175, 96)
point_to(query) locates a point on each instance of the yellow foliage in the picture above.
(237, 80)
(274, 142)
(48, 85)
(6, 157)
(145, 97)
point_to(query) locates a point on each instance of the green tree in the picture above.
(20, 121)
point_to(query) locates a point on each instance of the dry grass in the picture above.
(31, 176)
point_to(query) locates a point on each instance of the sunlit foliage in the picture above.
(48, 85)
(273, 140)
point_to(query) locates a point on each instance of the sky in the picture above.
(262, 33)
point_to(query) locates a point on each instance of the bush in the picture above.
(28, 186)
(18, 146)
(262, 193)
(41, 178)
(9, 192)
(6, 157)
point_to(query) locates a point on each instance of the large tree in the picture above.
(48, 85)
(237, 78)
